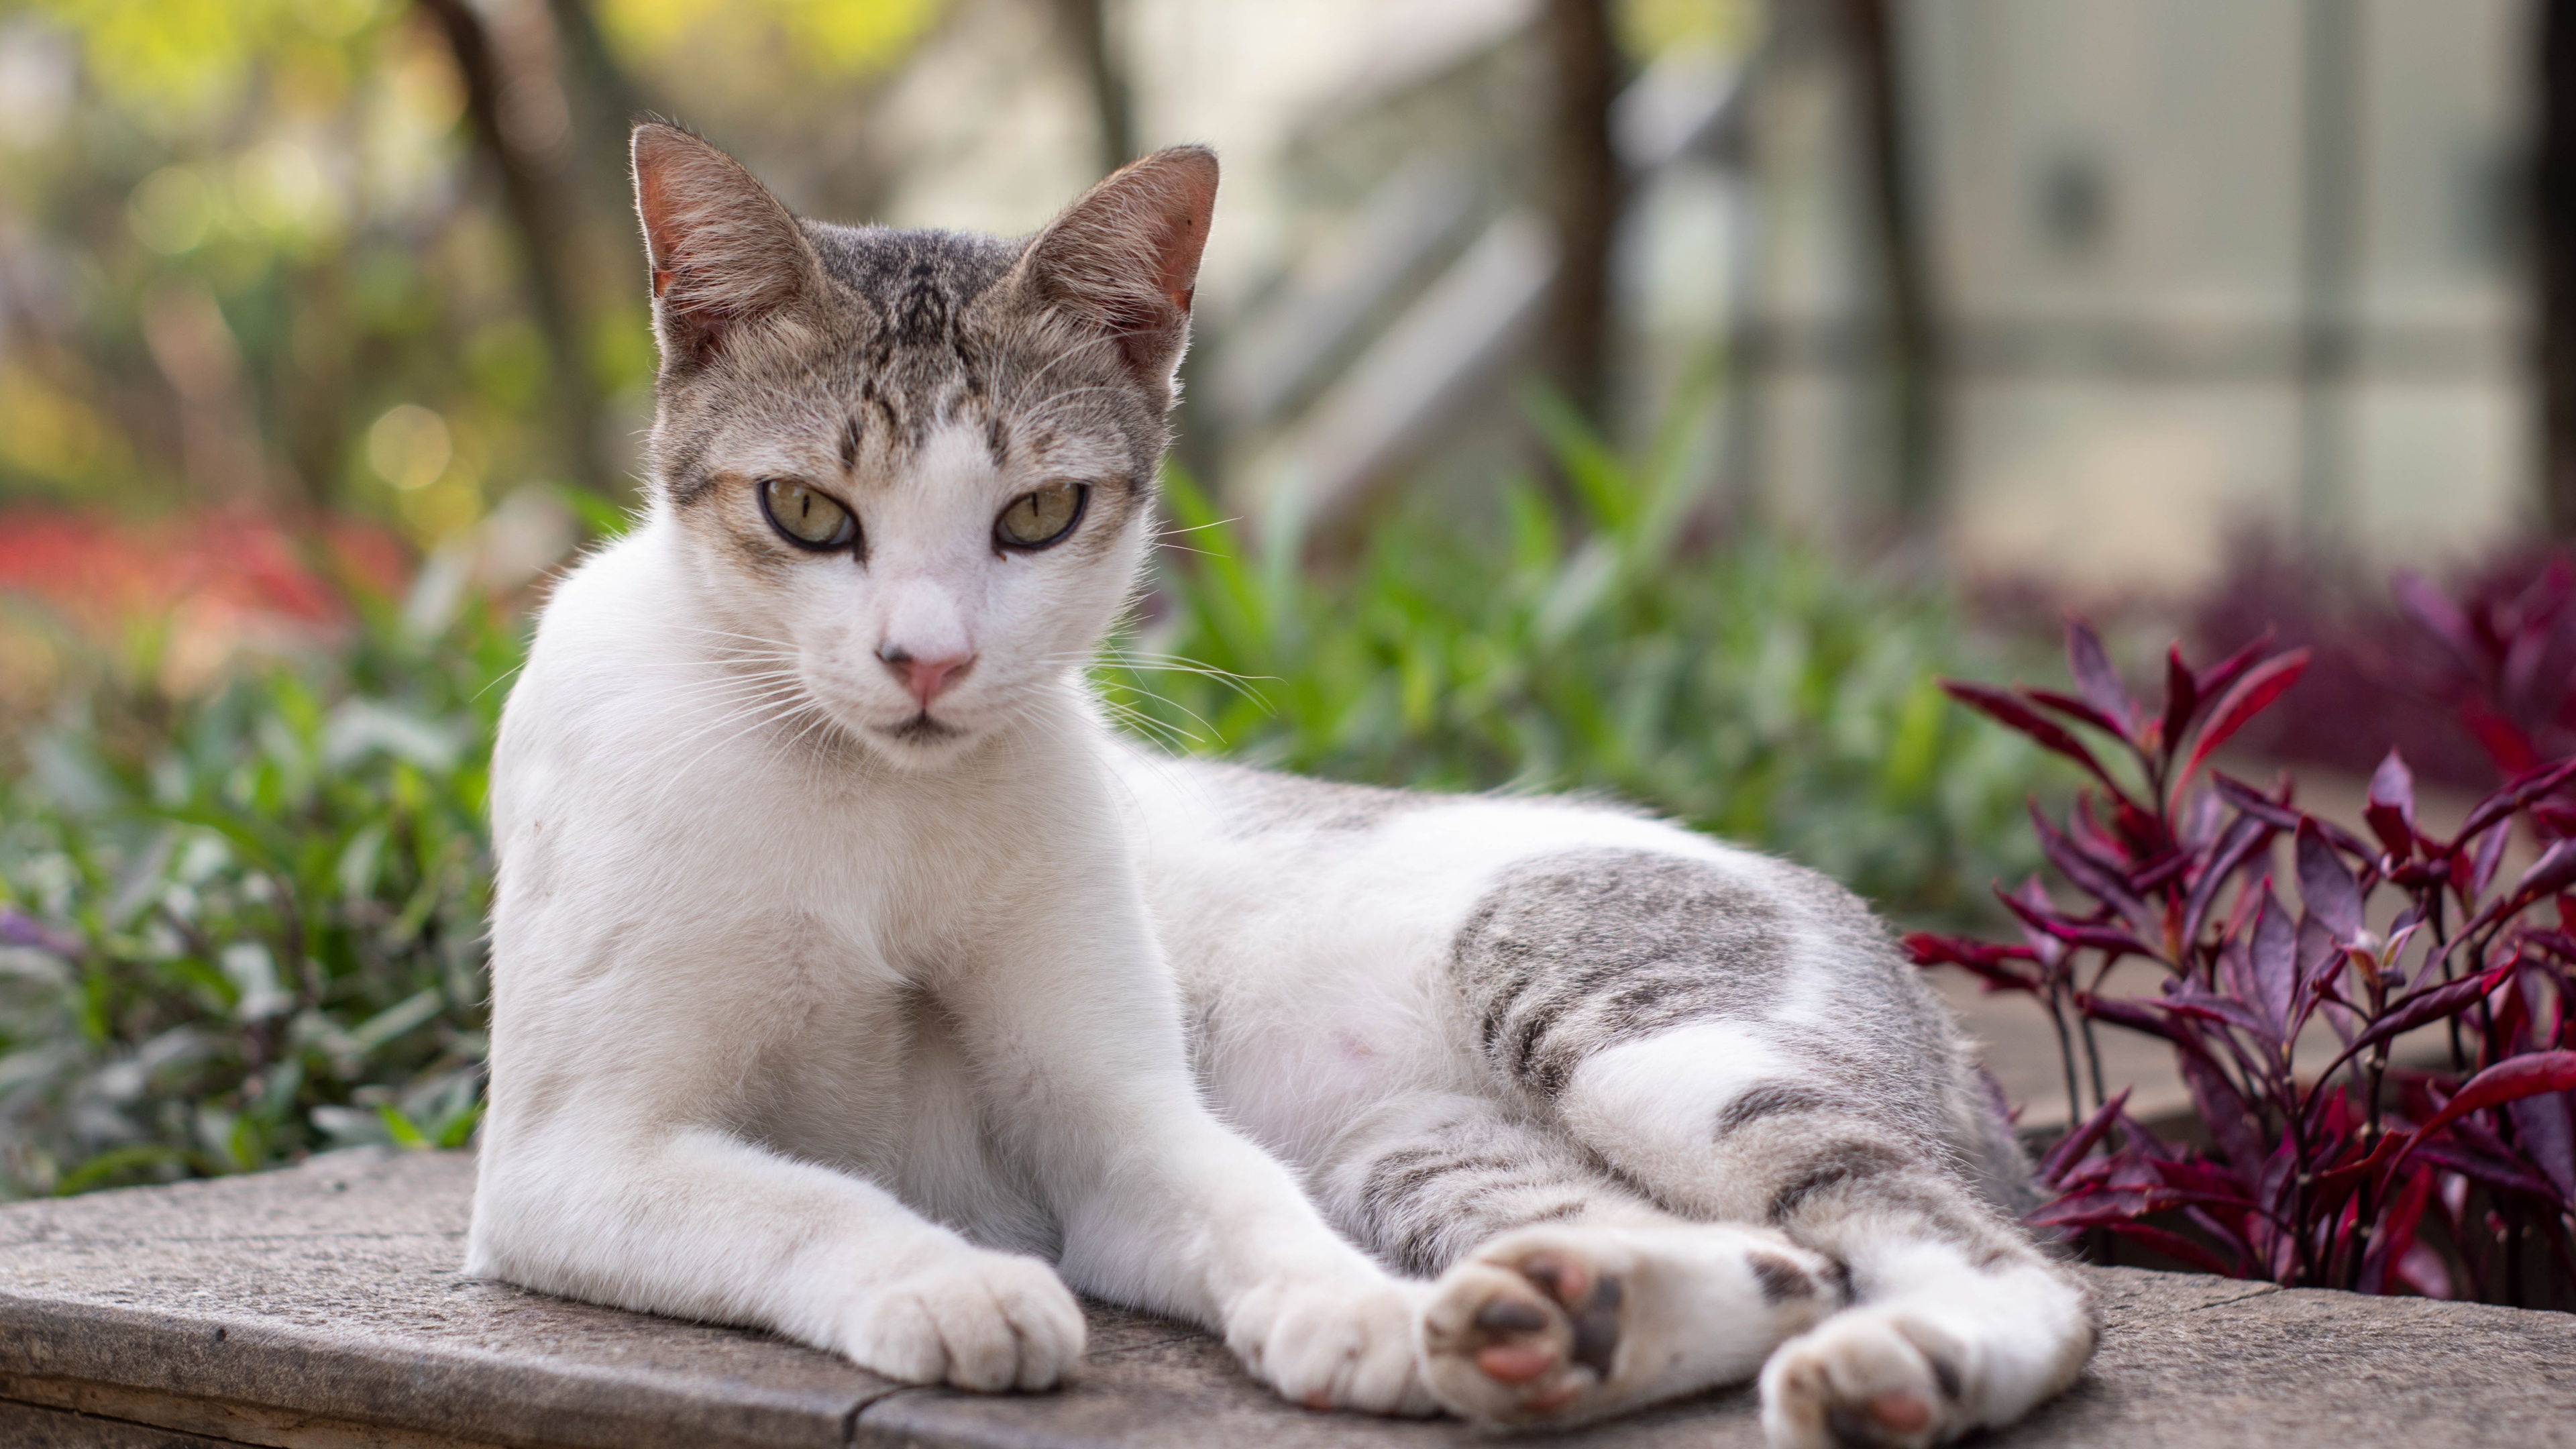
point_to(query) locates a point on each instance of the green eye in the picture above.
(809, 519)
(1043, 518)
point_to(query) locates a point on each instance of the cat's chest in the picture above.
(860, 1062)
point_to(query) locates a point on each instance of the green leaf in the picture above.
(404, 1131)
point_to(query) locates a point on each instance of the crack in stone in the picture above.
(2260, 1290)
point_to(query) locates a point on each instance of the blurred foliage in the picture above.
(240, 930)
(833, 35)
(1751, 687)
(250, 254)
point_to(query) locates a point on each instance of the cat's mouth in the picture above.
(921, 729)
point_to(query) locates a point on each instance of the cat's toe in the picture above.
(1864, 1380)
(1524, 1337)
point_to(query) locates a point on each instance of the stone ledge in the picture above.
(320, 1308)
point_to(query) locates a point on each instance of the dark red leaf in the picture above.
(2223, 1110)
(2552, 873)
(2490, 859)
(2436, 612)
(2077, 709)
(2215, 680)
(2010, 711)
(2275, 959)
(2395, 1232)
(2099, 682)
(2282, 816)
(2545, 1124)
(2502, 739)
(2391, 811)
(2204, 1179)
(2071, 1148)
(2326, 886)
(2320, 959)
(2176, 1246)
(2335, 1185)
(2509, 1080)
(2247, 834)
(2058, 927)
(1990, 963)
(2249, 697)
(2489, 1169)
(2430, 1004)
(2225, 1010)
(2101, 879)
(2517, 792)
(2182, 699)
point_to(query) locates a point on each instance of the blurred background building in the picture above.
(2066, 297)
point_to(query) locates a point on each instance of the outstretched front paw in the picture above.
(1333, 1343)
(978, 1320)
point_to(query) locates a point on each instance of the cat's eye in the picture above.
(807, 518)
(1041, 519)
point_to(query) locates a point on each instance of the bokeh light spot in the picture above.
(408, 447)
(171, 211)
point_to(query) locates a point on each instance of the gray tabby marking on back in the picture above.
(1573, 952)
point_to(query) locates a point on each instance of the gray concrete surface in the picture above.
(320, 1308)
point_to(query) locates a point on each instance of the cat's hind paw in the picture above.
(1558, 1325)
(1524, 1340)
(1866, 1379)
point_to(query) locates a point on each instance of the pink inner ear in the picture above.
(1186, 236)
(652, 199)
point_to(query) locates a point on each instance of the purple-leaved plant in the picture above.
(2311, 1177)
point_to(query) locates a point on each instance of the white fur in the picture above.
(1658, 1099)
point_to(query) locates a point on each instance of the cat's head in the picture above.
(911, 473)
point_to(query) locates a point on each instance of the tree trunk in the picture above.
(2553, 256)
(1585, 190)
(1086, 30)
(1912, 339)
(542, 208)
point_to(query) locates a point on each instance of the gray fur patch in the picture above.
(1772, 1099)
(1422, 1195)
(1837, 1167)
(1781, 1279)
(1571, 953)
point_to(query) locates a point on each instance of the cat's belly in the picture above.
(1310, 927)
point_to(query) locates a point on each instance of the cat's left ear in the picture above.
(1124, 260)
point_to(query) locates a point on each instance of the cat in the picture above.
(853, 979)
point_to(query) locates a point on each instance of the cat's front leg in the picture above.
(609, 1170)
(695, 1222)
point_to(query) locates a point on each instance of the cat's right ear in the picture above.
(723, 251)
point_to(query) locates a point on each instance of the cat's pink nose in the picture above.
(925, 679)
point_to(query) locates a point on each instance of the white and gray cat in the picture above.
(853, 980)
